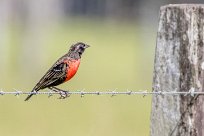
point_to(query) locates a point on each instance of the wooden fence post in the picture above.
(179, 66)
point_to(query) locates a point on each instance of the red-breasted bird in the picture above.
(62, 70)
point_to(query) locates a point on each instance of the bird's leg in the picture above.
(63, 94)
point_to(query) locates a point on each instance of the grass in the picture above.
(118, 58)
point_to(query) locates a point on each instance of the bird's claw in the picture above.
(64, 94)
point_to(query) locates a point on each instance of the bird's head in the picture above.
(78, 48)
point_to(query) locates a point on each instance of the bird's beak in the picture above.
(87, 46)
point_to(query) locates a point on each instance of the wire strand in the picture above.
(109, 92)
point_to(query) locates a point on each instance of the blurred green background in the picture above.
(34, 34)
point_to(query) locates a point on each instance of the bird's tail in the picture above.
(30, 95)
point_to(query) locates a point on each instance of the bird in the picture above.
(61, 71)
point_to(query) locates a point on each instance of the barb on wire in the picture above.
(1, 92)
(112, 93)
(82, 93)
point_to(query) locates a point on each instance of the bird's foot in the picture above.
(64, 94)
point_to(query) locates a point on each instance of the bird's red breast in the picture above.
(73, 66)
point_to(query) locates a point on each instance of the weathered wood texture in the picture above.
(179, 66)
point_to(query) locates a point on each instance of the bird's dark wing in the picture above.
(54, 74)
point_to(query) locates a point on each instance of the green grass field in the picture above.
(121, 56)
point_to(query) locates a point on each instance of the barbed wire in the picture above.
(114, 92)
